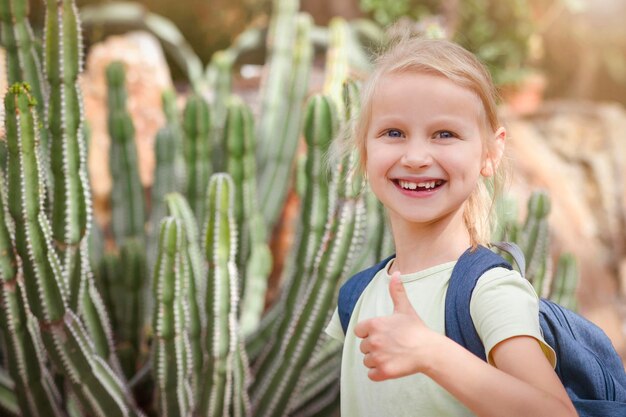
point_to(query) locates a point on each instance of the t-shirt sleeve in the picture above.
(334, 329)
(505, 305)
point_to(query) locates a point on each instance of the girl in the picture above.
(428, 134)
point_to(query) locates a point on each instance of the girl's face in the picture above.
(425, 147)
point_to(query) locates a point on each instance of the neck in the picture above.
(421, 246)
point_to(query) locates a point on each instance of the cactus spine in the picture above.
(319, 129)
(23, 62)
(34, 388)
(172, 356)
(282, 107)
(196, 285)
(197, 125)
(565, 282)
(68, 344)
(226, 378)
(127, 193)
(254, 259)
(534, 241)
(275, 396)
(219, 75)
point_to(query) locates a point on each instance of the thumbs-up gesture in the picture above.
(397, 345)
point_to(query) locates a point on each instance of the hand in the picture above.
(396, 345)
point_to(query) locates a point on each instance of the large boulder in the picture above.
(576, 151)
(147, 76)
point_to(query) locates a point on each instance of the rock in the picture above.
(574, 150)
(147, 76)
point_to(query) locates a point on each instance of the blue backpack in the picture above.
(587, 363)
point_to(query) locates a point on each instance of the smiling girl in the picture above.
(428, 136)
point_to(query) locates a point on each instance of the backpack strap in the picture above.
(515, 252)
(468, 269)
(353, 288)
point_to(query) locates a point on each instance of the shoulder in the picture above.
(503, 279)
(503, 289)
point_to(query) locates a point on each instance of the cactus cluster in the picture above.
(168, 318)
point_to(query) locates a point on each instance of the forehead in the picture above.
(423, 89)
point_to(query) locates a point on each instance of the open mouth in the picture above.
(421, 187)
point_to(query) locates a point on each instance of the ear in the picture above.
(494, 153)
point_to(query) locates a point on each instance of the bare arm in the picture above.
(523, 384)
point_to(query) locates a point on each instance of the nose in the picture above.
(417, 154)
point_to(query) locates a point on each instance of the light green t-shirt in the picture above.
(503, 305)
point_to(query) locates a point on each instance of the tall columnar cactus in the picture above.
(375, 213)
(565, 281)
(70, 349)
(534, 242)
(226, 377)
(169, 173)
(197, 125)
(165, 180)
(254, 259)
(129, 304)
(319, 129)
(23, 60)
(274, 393)
(283, 101)
(127, 201)
(196, 287)
(220, 77)
(71, 201)
(171, 351)
(337, 68)
(36, 393)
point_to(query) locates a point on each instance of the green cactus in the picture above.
(197, 125)
(283, 98)
(23, 63)
(165, 177)
(254, 259)
(565, 281)
(128, 210)
(534, 241)
(35, 391)
(319, 129)
(171, 354)
(225, 378)
(8, 400)
(337, 67)
(129, 304)
(196, 286)
(71, 200)
(173, 123)
(533, 238)
(220, 78)
(273, 392)
(67, 343)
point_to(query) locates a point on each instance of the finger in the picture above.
(365, 346)
(401, 303)
(375, 375)
(361, 330)
(368, 361)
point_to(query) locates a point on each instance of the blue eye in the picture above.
(444, 134)
(394, 133)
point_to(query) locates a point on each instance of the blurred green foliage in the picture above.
(495, 30)
(208, 25)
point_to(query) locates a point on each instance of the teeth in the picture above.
(413, 186)
(429, 184)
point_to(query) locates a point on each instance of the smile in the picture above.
(422, 186)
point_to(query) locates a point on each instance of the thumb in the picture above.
(401, 303)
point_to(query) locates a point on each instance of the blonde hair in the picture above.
(407, 53)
